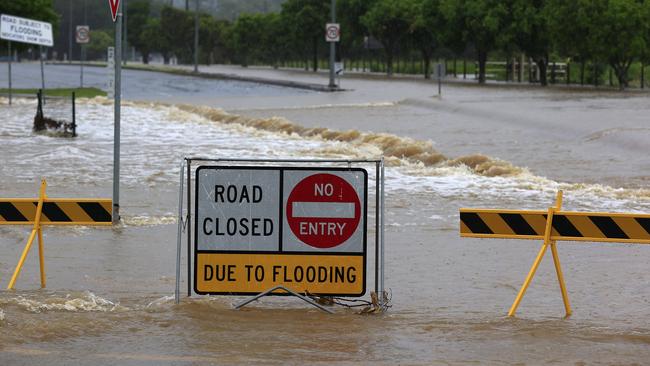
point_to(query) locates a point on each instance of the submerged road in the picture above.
(108, 299)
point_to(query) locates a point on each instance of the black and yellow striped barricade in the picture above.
(551, 226)
(50, 211)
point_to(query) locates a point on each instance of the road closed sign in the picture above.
(259, 227)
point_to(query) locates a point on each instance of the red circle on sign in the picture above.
(323, 210)
(332, 32)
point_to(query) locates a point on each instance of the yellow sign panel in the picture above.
(56, 211)
(242, 274)
(566, 225)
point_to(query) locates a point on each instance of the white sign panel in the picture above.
(110, 65)
(24, 30)
(332, 32)
(281, 209)
(83, 34)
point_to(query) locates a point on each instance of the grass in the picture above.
(59, 92)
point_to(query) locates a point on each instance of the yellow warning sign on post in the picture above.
(47, 211)
(551, 226)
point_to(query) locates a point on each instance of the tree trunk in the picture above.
(582, 73)
(621, 69)
(145, 58)
(165, 56)
(389, 60)
(482, 60)
(315, 54)
(426, 56)
(542, 64)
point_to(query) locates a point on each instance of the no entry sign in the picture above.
(259, 227)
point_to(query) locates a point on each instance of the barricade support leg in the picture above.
(35, 230)
(556, 261)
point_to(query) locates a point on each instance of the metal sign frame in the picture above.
(282, 212)
(185, 220)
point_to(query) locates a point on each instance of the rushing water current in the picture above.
(109, 295)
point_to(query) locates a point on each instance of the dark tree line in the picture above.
(613, 32)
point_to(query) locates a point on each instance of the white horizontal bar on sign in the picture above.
(335, 210)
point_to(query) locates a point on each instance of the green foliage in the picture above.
(42, 10)
(483, 23)
(390, 21)
(306, 21)
(100, 40)
(60, 92)
(138, 15)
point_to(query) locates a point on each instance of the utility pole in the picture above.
(126, 41)
(116, 114)
(332, 47)
(196, 36)
(70, 33)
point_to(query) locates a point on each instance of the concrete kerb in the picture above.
(219, 76)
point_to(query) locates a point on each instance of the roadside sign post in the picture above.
(40, 57)
(277, 230)
(551, 226)
(196, 36)
(110, 68)
(17, 29)
(332, 35)
(82, 37)
(9, 66)
(117, 18)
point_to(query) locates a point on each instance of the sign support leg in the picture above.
(36, 229)
(560, 278)
(41, 256)
(269, 291)
(529, 278)
(556, 260)
(40, 56)
(178, 234)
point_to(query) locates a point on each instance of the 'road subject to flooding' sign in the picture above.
(259, 227)
(17, 29)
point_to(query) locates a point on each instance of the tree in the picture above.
(432, 30)
(481, 22)
(621, 30)
(177, 27)
(349, 13)
(138, 14)
(389, 21)
(247, 34)
(570, 26)
(42, 10)
(306, 19)
(100, 40)
(608, 30)
(531, 32)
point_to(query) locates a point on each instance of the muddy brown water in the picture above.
(109, 298)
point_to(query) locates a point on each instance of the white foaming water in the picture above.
(155, 137)
(88, 302)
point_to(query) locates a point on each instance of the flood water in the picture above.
(109, 297)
